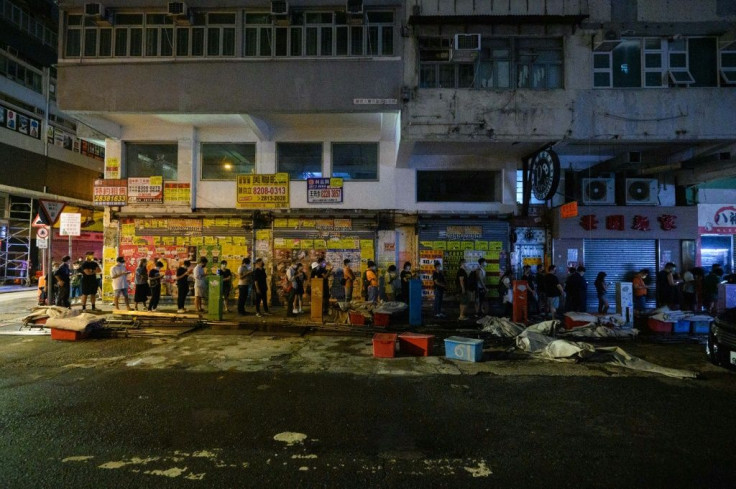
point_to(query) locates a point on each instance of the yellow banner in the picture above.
(269, 191)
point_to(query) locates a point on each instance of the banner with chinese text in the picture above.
(263, 191)
(110, 192)
(147, 190)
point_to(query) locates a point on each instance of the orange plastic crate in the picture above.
(66, 335)
(381, 319)
(384, 345)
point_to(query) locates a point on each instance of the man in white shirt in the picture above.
(119, 276)
(245, 280)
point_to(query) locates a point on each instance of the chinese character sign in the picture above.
(263, 191)
(147, 190)
(615, 223)
(110, 192)
(589, 222)
(641, 223)
(667, 222)
(324, 190)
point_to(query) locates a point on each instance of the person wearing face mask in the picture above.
(405, 276)
(372, 278)
(227, 283)
(462, 289)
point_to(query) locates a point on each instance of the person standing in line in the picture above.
(462, 289)
(63, 280)
(640, 290)
(710, 288)
(480, 287)
(553, 290)
(440, 284)
(119, 275)
(182, 285)
(76, 281)
(200, 283)
(688, 291)
(261, 287)
(391, 281)
(245, 280)
(290, 281)
(227, 283)
(90, 269)
(506, 292)
(154, 282)
(348, 277)
(601, 289)
(142, 290)
(405, 275)
(301, 277)
(581, 285)
(532, 298)
(372, 278)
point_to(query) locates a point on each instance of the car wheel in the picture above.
(713, 349)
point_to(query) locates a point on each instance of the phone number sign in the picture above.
(324, 190)
(263, 191)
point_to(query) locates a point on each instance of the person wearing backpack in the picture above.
(480, 286)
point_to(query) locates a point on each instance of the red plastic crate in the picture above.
(66, 335)
(657, 326)
(356, 318)
(381, 319)
(571, 323)
(416, 344)
(384, 345)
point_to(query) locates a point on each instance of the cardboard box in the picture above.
(384, 345)
(466, 349)
(416, 344)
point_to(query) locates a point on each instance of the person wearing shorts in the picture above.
(200, 284)
(90, 268)
(119, 275)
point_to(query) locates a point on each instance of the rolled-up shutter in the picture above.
(621, 260)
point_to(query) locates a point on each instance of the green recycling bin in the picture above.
(214, 297)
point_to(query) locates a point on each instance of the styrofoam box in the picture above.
(466, 349)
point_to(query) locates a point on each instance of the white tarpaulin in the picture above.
(78, 322)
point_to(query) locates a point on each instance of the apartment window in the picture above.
(501, 63)
(128, 35)
(223, 161)
(73, 37)
(456, 186)
(380, 35)
(520, 190)
(151, 160)
(159, 35)
(221, 34)
(728, 63)
(355, 161)
(318, 32)
(299, 160)
(257, 35)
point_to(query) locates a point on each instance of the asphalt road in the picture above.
(115, 427)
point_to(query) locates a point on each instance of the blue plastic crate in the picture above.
(466, 349)
(699, 327)
(681, 326)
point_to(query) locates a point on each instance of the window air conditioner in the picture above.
(94, 10)
(279, 7)
(353, 7)
(642, 191)
(470, 42)
(177, 8)
(599, 191)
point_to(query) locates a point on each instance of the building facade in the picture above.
(395, 131)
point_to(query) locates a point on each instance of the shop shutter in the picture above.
(621, 260)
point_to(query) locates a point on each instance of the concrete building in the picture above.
(44, 153)
(407, 129)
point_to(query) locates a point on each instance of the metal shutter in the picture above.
(621, 259)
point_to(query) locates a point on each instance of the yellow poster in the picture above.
(320, 244)
(454, 245)
(263, 234)
(262, 191)
(481, 245)
(279, 243)
(127, 229)
(240, 240)
(292, 223)
(168, 240)
(495, 245)
(427, 244)
(182, 240)
(210, 241)
(197, 241)
(440, 245)
(468, 245)
(112, 168)
(366, 243)
(307, 244)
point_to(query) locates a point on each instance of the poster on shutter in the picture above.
(148, 190)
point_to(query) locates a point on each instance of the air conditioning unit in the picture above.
(599, 191)
(94, 10)
(642, 191)
(178, 8)
(470, 42)
(354, 7)
(279, 7)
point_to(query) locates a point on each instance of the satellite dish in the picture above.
(639, 191)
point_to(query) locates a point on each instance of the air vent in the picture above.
(599, 191)
(641, 191)
(279, 7)
(354, 7)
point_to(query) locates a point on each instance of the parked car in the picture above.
(721, 346)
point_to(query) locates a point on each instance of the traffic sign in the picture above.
(51, 209)
(42, 243)
(70, 224)
(42, 233)
(39, 221)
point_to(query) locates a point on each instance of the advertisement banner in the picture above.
(177, 193)
(112, 168)
(110, 192)
(324, 190)
(147, 190)
(717, 218)
(263, 191)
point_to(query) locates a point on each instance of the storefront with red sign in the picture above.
(716, 230)
(622, 240)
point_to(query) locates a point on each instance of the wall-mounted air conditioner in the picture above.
(279, 7)
(470, 42)
(599, 191)
(354, 7)
(98, 13)
(177, 8)
(642, 191)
